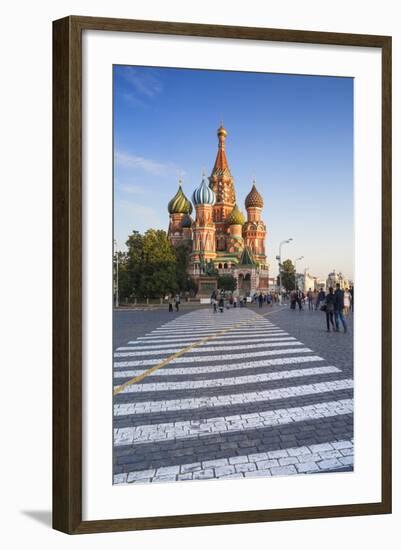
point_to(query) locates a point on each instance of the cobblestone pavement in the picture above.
(250, 392)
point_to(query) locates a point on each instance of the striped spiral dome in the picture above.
(179, 204)
(236, 217)
(203, 194)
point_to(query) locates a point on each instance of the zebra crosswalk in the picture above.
(210, 396)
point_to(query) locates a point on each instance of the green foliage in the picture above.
(226, 282)
(287, 275)
(152, 267)
(151, 264)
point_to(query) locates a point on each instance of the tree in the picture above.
(227, 282)
(151, 264)
(287, 275)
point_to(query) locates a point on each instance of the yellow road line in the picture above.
(170, 358)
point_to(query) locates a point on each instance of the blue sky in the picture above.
(293, 133)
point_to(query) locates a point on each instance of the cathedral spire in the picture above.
(220, 167)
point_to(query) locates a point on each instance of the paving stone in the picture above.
(204, 474)
(224, 470)
(281, 453)
(163, 479)
(347, 452)
(347, 460)
(329, 464)
(248, 467)
(258, 473)
(120, 478)
(186, 468)
(264, 464)
(307, 467)
(238, 460)
(283, 470)
(215, 463)
(297, 451)
(330, 454)
(167, 470)
(321, 447)
(288, 460)
(134, 476)
(185, 477)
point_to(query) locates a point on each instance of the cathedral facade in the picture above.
(219, 235)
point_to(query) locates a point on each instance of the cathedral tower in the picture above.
(254, 230)
(204, 243)
(222, 183)
(179, 207)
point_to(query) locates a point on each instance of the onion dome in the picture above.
(187, 222)
(221, 131)
(203, 194)
(236, 217)
(254, 198)
(179, 204)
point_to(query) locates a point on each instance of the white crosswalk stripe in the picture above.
(222, 400)
(207, 348)
(232, 334)
(187, 371)
(145, 345)
(288, 461)
(208, 358)
(263, 419)
(223, 382)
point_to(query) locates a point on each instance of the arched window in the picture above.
(220, 266)
(225, 266)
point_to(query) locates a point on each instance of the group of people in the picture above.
(314, 299)
(334, 306)
(220, 300)
(174, 300)
(269, 298)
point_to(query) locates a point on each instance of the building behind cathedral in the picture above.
(219, 235)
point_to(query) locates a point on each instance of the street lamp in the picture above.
(279, 266)
(116, 252)
(295, 270)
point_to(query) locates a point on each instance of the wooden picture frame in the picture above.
(67, 274)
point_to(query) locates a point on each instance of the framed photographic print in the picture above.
(222, 275)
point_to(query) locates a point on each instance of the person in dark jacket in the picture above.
(339, 308)
(320, 297)
(330, 309)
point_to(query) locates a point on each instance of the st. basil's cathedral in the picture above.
(220, 236)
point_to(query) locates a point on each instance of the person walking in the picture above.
(339, 308)
(309, 295)
(329, 309)
(221, 303)
(347, 301)
(177, 302)
(170, 302)
(293, 299)
(320, 297)
(213, 300)
(260, 299)
(314, 299)
(299, 298)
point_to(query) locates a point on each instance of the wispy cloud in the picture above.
(151, 166)
(145, 83)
